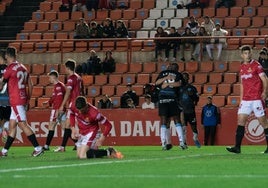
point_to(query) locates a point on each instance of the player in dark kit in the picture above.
(5, 109)
(188, 99)
(168, 81)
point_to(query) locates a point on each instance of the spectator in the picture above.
(108, 64)
(208, 24)
(201, 43)
(95, 30)
(263, 59)
(79, 5)
(66, 6)
(148, 104)
(129, 94)
(187, 43)
(93, 64)
(105, 102)
(192, 4)
(219, 42)
(193, 25)
(92, 5)
(210, 118)
(106, 4)
(153, 91)
(130, 103)
(225, 3)
(82, 30)
(121, 30)
(160, 44)
(108, 30)
(173, 44)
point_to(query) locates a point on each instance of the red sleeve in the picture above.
(107, 127)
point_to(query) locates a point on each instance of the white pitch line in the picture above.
(146, 176)
(98, 163)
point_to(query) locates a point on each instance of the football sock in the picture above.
(195, 136)
(266, 135)
(66, 135)
(163, 134)
(9, 142)
(50, 137)
(33, 140)
(180, 132)
(184, 128)
(92, 153)
(239, 135)
(168, 136)
(194, 129)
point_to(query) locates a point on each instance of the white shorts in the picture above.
(54, 118)
(87, 140)
(18, 113)
(256, 106)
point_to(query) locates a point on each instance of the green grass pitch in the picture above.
(145, 166)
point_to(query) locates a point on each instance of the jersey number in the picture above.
(22, 79)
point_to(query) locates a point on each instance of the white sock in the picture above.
(180, 132)
(195, 137)
(38, 148)
(4, 150)
(168, 136)
(163, 134)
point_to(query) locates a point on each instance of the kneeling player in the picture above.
(89, 139)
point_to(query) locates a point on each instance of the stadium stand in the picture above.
(218, 78)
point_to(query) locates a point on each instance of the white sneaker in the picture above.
(59, 149)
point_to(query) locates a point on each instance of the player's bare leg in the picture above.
(82, 151)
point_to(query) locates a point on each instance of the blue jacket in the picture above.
(210, 115)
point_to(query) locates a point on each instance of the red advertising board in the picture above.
(136, 127)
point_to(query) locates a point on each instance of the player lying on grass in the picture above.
(89, 138)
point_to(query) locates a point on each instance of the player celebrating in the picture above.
(188, 99)
(169, 80)
(74, 88)
(88, 119)
(253, 94)
(55, 101)
(18, 79)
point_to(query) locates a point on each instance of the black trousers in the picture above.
(210, 133)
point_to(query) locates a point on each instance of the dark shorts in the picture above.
(190, 118)
(5, 112)
(168, 109)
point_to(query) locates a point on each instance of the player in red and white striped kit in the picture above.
(55, 101)
(89, 138)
